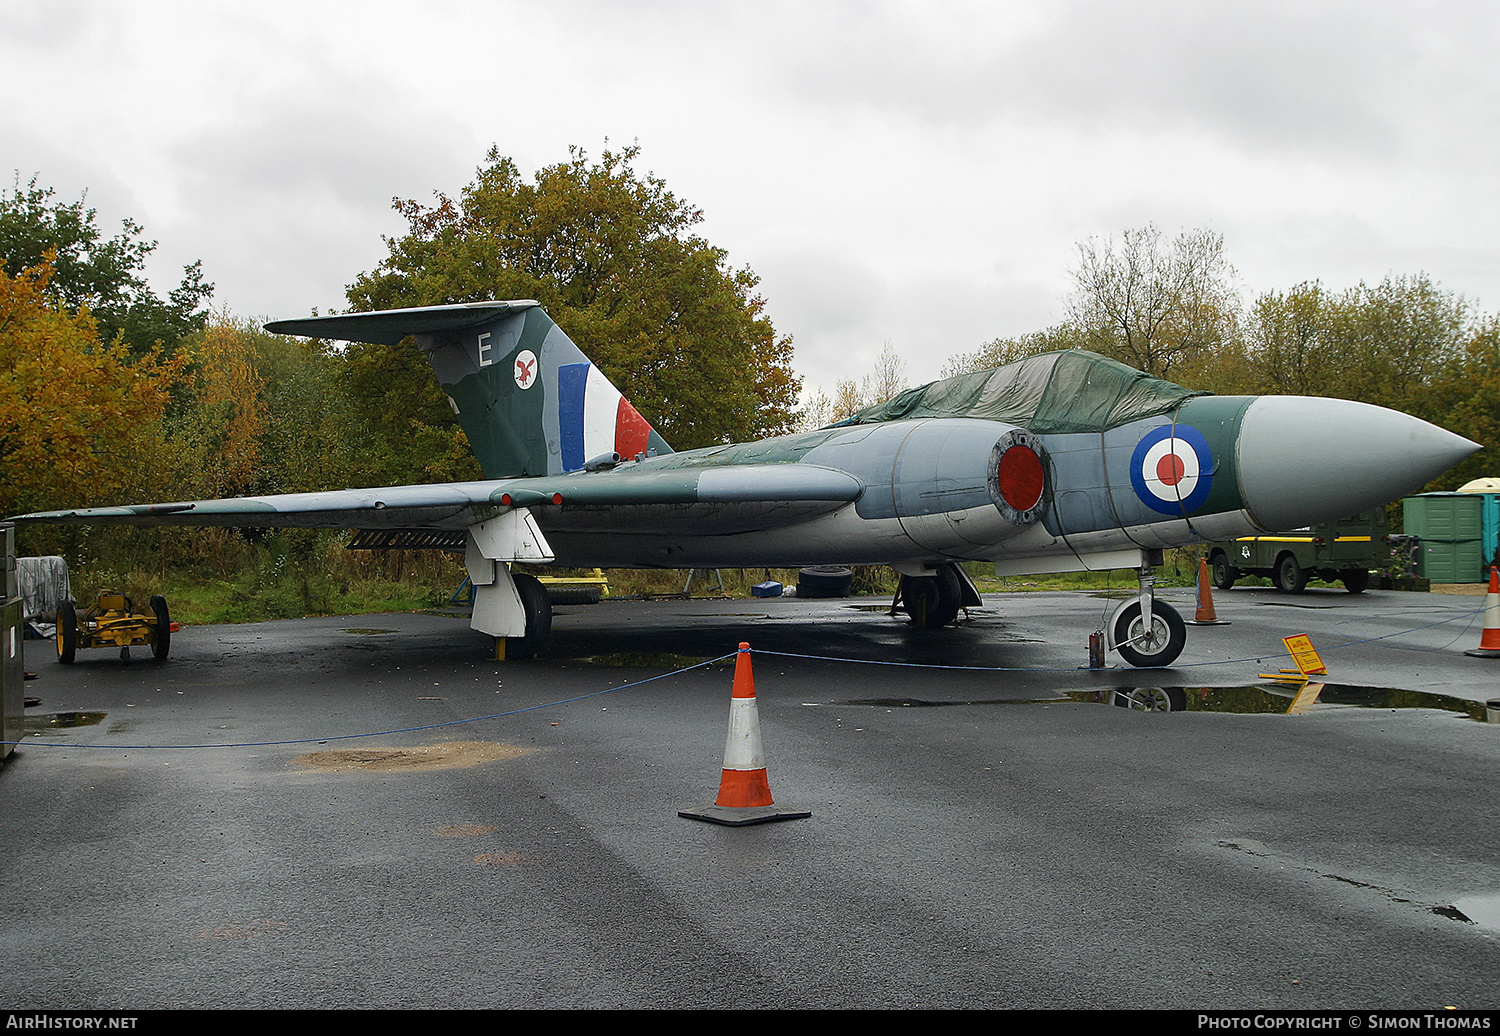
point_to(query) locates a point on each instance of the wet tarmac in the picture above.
(215, 831)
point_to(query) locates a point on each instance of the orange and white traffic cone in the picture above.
(744, 790)
(1489, 640)
(1206, 616)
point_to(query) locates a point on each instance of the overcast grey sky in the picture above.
(918, 173)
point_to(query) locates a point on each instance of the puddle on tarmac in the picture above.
(1255, 699)
(1483, 911)
(1274, 699)
(451, 755)
(1480, 911)
(44, 722)
(367, 632)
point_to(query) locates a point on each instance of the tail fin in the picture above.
(529, 400)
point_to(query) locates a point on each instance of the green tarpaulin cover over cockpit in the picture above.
(1068, 391)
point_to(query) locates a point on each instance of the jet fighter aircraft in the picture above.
(1066, 461)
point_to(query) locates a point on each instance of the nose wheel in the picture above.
(1146, 632)
(1149, 645)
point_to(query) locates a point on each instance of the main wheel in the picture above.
(538, 608)
(1289, 577)
(1356, 580)
(1224, 574)
(1149, 648)
(161, 643)
(67, 632)
(931, 601)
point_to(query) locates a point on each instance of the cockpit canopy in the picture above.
(1071, 390)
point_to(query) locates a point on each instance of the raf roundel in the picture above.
(1171, 469)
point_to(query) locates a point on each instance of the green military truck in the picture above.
(1344, 551)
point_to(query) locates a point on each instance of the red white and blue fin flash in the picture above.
(1172, 469)
(593, 418)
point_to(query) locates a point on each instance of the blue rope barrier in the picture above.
(714, 661)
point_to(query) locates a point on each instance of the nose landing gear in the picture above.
(1146, 632)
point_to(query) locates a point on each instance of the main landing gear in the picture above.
(933, 601)
(512, 607)
(537, 607)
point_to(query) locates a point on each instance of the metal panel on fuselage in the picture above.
(1094, 488)
(1162, 474)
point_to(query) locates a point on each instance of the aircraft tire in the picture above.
(1224, 574)
(161, 644)
(67, 632)
(538, 608)
(1289, 576)
(574, 595)
(1356, 580)
(1161, 646)
(824, 581)
(932, 601)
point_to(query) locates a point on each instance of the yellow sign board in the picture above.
(1304, 655)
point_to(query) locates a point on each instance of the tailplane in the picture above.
(530, 402)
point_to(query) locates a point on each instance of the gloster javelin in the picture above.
(1061, 462)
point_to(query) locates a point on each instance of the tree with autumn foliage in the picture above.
(79, 418)
(105, 275)
(1464, 395)
(261, 413)
(611, 254)
(219, 432)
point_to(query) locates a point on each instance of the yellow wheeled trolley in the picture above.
(112, 622)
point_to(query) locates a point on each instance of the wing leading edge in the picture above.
(761, 492)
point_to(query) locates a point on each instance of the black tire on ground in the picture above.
(538, 609)
(1149, 649)
(1289, 576)
(824, 581)
(575, 594)
(161, 644)
(1224, 574)
(1356, 580)
(932, 601)
(67, 632)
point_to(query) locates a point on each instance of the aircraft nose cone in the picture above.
(1304, 460)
